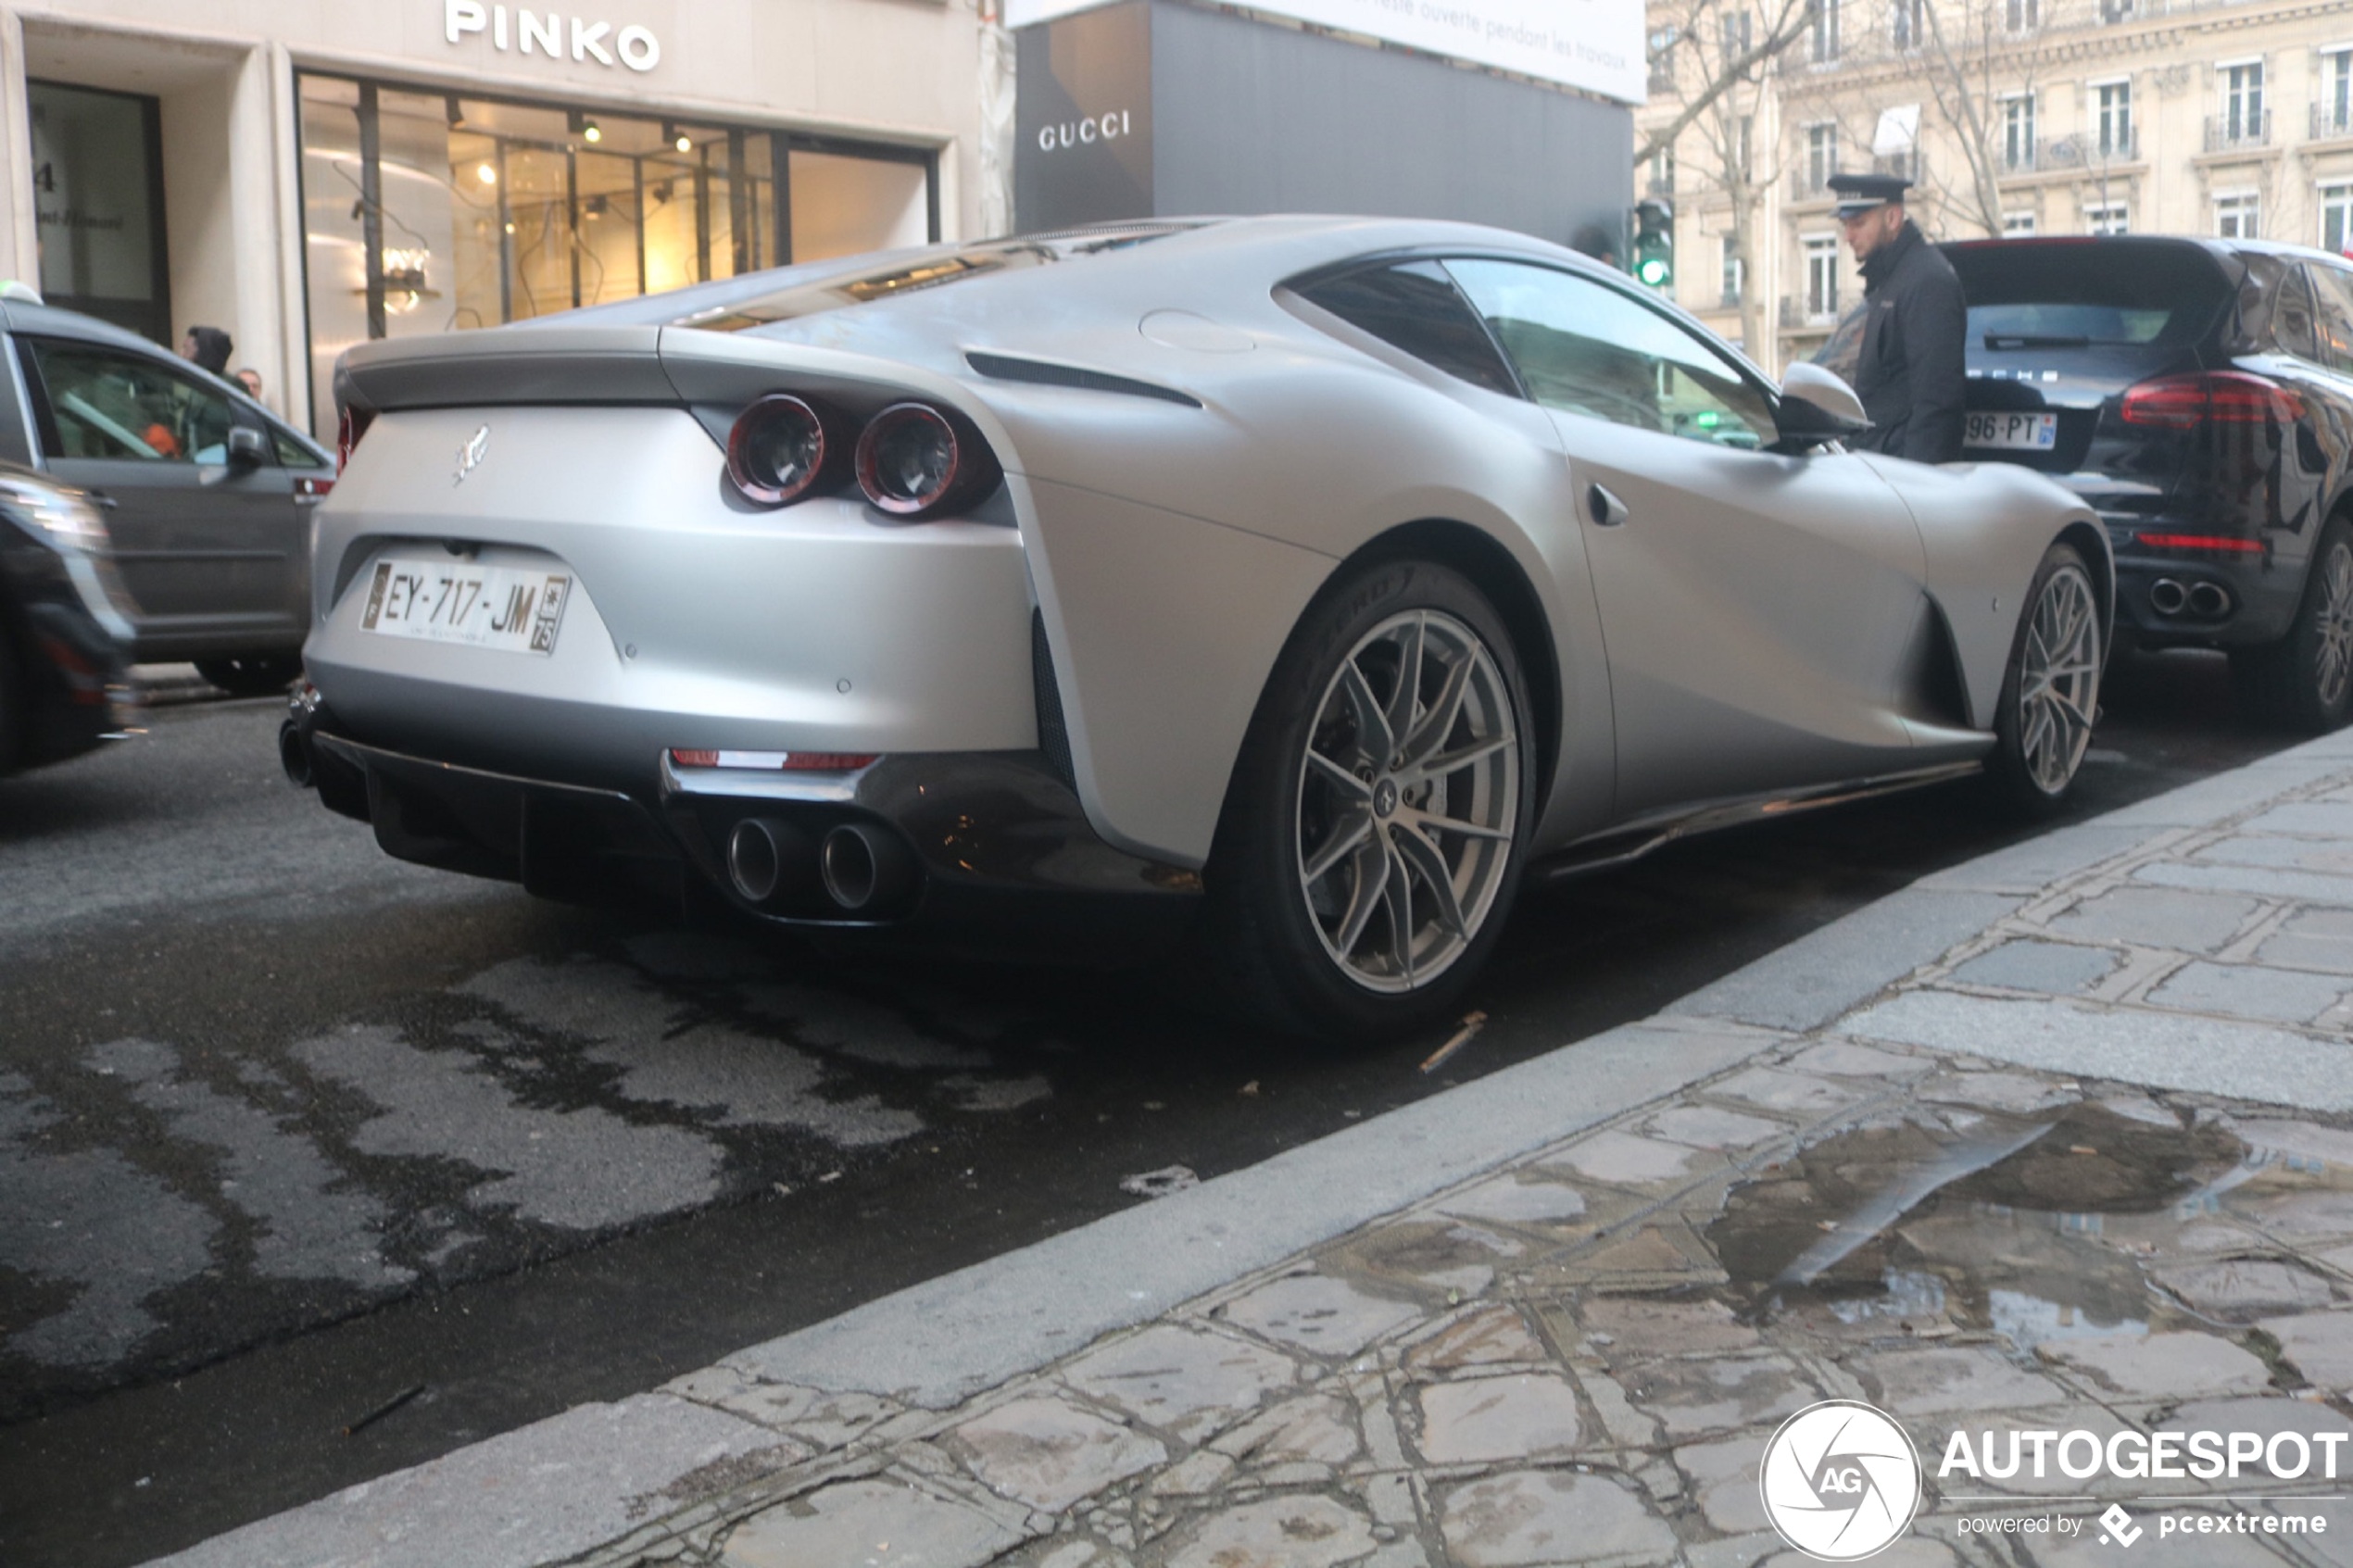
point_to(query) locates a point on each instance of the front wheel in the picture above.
(2051, 691)
(1372, 837)
(2305, 680)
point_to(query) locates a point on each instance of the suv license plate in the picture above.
(483, 606)
(2030, 433)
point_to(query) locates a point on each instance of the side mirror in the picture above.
(248, 448)
(1816, 406)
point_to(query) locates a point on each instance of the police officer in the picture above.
(1909, 373)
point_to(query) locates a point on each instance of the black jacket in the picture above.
(1915, 334)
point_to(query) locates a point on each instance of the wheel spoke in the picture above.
(1439, 721)
(1347, 837)
(1403, 701)
(1456, 760)
(1372, 879)
(1372, 724)
(1340, 777)
(1431, 822)
(1430, 861)
(1400, 892)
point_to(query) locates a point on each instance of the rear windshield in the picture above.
(909, 273)
(2025, 296)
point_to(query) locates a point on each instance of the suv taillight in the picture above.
(2224, 397)
(350, 425)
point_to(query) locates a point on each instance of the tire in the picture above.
(1351, 896)
(2051, 690)
(2305, 681)
(14, 703)
(252, 674)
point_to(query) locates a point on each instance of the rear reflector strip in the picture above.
(2200, 542)
(788, 761)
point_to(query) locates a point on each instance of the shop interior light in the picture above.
(595, 208)
(486, 174)
(592, 131)
(677, 138)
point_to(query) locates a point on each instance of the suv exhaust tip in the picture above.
(2168, 597)
(864, 867)
(766, 856)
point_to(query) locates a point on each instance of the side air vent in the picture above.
(1004, 367)
(1053, 733)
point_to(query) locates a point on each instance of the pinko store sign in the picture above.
(549, 34)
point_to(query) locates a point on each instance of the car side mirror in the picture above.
(246, 448)
(1815, 406)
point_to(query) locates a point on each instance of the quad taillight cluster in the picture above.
(911, 460)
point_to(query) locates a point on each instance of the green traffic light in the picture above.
(1654, 270)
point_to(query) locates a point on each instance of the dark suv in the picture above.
(2199, 394)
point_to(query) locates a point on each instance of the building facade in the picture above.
(309, 174)
(2013, 117)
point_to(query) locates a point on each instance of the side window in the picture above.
(1416, 308)
(1588, 349)
(2292, 326)
(292, 454)
(2333, 317)
(104, 404)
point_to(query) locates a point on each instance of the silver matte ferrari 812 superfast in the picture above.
(1286, 586)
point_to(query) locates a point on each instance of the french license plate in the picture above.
(516, 608)
(2030, 432)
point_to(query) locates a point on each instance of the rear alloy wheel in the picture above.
(2305, 680)
(2051, 692)
(1373, 839)
(252, 674)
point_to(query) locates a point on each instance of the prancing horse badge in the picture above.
(470, 455)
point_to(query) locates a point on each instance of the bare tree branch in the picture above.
(1790, 26)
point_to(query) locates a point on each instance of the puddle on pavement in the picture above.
(2079, 1220)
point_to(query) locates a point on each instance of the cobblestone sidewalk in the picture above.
(2050, 1181)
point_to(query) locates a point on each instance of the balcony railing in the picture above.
(1659, 185)
(2229, 133)
(1797, 313)
(2091, 151)
(1808, 186)
(2332, 120)
(1730, 299)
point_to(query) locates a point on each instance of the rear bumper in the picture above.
(2200, 597)
(1005, 863)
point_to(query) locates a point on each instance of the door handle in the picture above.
(101, 500)
(1605, 509)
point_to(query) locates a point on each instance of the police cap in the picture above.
(1858, 194)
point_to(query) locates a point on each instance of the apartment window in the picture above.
(2018, 131)
(1739, 36)
(2243, 102)
(2113, 11)
(2017, 223)
(2106, 218)
(2336, 218)
(2333, 116)
(1910, 30)
(1735, 271)
(1662, 59)
(2022, 16)
(1822, 278)
(1821, 154)
(2238, 216)
(1662, 170)
(2112, 119)
(1825, 30)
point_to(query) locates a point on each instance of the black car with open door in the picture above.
(2199, 394)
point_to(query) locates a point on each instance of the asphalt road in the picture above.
(288, 1129)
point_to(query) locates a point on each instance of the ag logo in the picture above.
(1841, 1481)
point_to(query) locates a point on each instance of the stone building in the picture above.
(2015, 117)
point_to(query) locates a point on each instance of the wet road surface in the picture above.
(288, 1129)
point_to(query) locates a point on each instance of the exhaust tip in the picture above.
(864, 867)
(2210, 599)
(2167, 597)
(294, 756)
(764, 857)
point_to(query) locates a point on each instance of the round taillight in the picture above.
(914, 460)
(782, 449)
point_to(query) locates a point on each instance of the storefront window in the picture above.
(426, 212)
(98, 202)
